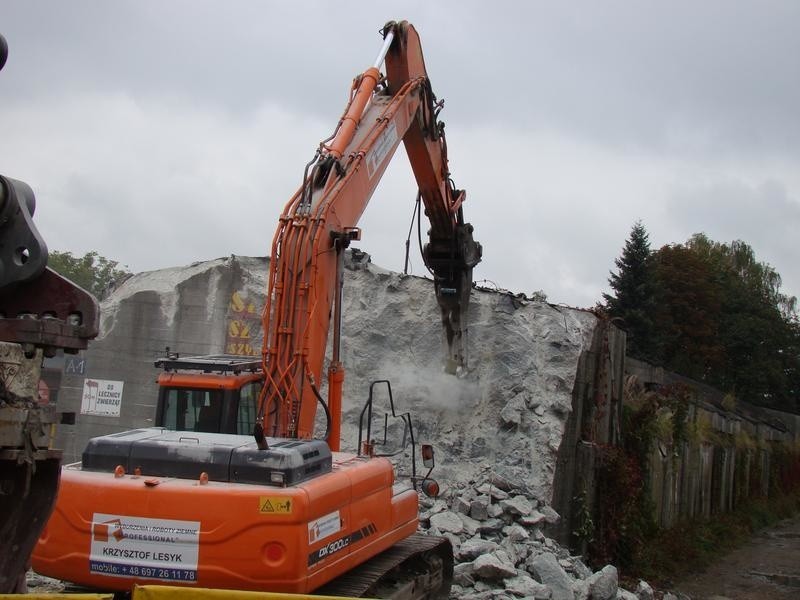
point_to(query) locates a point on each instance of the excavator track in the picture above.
(421, 566)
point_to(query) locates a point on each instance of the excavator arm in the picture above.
(320, 220)
(451, 252)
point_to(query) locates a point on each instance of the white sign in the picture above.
(385, 144)
(142, 548)
(101, 397)
(323, 527)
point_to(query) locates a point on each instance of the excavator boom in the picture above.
(320, 220)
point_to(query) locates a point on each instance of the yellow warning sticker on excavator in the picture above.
(274, 505)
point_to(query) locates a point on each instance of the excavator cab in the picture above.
(211, 394)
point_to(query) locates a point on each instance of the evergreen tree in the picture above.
(633, 300)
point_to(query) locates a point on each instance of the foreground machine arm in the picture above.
(320, 220)
(40, 312)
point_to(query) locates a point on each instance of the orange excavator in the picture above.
(280, 510)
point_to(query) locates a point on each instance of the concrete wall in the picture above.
(189, 312)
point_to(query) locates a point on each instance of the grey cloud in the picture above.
(762, 213)
(565, 123)
(678, 77)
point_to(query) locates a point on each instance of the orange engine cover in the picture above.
(109, 532)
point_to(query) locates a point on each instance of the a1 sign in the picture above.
(75, 365)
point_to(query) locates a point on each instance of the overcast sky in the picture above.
(162, 133)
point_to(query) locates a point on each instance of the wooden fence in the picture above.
(730, 460)
(727, 450)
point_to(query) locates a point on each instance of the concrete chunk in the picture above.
(494, 510)
(493, 491)
(493, 566)
(447, 521)
(463, 574)
(580, 569)
(517, 505)
(511, 415)
(546, 569)
(475, 547)
(534, 519)
(551, 516)
(460, 505)
(644, 591)
(515, 533)
(603, 584)
(479, 508)
(470, 525)
(525, 586)
(491, 526)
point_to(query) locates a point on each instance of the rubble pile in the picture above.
(507, 410)
(501, 552)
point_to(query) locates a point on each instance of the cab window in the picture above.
(248, 404)
(193, 410)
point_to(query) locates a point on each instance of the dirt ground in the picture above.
(766, 568)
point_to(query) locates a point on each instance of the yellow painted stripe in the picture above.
(108, 596)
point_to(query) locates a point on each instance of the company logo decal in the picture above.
(341, 543)
(141, 548)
